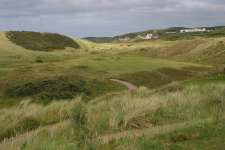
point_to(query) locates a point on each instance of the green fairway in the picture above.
(117, 64)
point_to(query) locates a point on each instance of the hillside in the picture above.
(40, 41)
(173, 33)
(168, 34)
(198, 50)
(67, 98)
(100, 39)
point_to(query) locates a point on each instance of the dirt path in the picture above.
(130, 86)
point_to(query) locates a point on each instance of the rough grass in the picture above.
(41, 41)
(214, 78)
(138, 111)
(27, 116)
(59, 136)
(157, 78)
(202, 135)
(187, 116)
(216, 50)
(119, 64)
(200, 50)
(163, 118)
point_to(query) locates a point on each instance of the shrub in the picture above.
(50, 89)
(61, 88)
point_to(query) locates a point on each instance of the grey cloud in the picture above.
(43, 7)
(107, 17)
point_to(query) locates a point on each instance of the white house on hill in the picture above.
(193, 30)
(149, 36)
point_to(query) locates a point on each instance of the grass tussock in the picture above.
(28, 116)
(144, 109)
(124, 120)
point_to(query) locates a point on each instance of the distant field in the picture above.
(127, 64)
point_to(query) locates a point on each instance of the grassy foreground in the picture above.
(164, 119)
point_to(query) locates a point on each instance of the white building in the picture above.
(149, 36)
(193, 30)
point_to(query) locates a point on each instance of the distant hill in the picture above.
(40, 41)
(171, 34)
(99, 39)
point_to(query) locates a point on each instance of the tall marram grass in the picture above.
(110, 116)
(143, 109)
(28, 116)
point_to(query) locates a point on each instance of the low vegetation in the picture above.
(181, 118)
(41, 41)
(173, 34)
(61, 88)
(158, 77)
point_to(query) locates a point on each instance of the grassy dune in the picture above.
(65, 100)
(25, 71)
(41, 41)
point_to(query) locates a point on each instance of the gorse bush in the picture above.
(41, 41)
(50, 89)
(61, 88)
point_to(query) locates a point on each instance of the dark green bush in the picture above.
(49, 89)
(41, 41)
(60, 88)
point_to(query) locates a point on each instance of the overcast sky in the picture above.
(107, 17)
